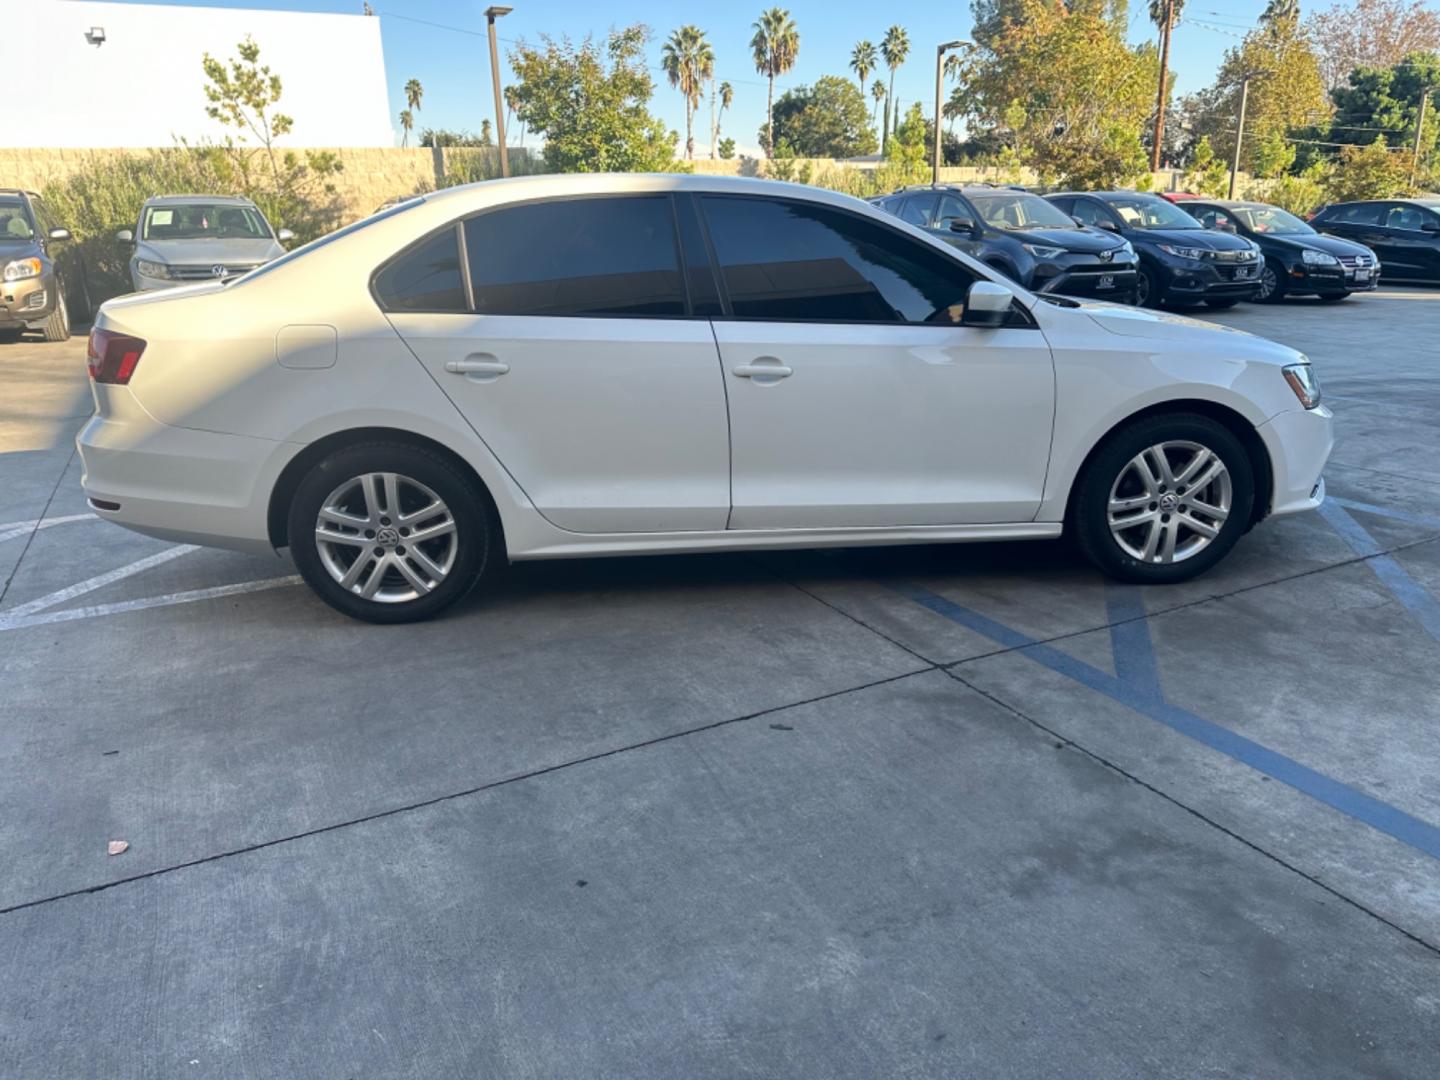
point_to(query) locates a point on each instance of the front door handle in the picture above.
(477, 368)
(763, 370)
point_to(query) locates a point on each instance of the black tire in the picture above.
(1334, 298)
(1089, 517)
(10, 335)
(57, 326)
(477, 537)
(1147, 290)
(1221, 303)
(1273, 283)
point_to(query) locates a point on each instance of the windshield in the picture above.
(204, 221)
(328, 238)
(1019, 210)
(15, 224)
(1271, 220)
(1151, 212)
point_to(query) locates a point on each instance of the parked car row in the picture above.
(1180, 249)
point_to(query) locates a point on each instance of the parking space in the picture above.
(909, 811)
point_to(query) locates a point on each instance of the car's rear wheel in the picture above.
(390, 533)
(1164, 499)
(1272, 283)
(57, 326)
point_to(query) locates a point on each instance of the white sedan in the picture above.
(590, 365)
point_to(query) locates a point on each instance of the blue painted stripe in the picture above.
(1382, 511)
(1417, 600)
(1130, 643)
(1145, 700)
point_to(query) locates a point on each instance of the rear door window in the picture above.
(795, 261)
(424, 278)
(916, 209)
(1359, 214)
(614, 256)
(1091, 213)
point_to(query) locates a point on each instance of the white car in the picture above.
(586, 365)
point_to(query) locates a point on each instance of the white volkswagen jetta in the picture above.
(606, 365)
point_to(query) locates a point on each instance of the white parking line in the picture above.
(11, 530)
(9, 621)
(99, 581)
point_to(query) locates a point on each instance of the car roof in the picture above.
(190, 200)
(1107, 194)
(19, 191)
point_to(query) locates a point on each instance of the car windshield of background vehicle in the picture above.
(1152, 213)
(203, 221)
(1272, 221)
(328, 238)
(14, 221)
(1020, 210)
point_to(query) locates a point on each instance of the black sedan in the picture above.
(1181, 262)
(1403, 233)
(1298, 260)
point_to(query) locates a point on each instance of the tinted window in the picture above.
(612, 256)
(916, 209)
(1358, 214)
(951, 209)
(798, 261)
(1091, 213)
(1407, 217)
(425, 278)
(699, 273)
(1020, 210)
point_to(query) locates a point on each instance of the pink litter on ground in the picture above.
(118, 847)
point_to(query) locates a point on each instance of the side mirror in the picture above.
(125, 236)
(284, 236)
(987, 305)
(59, 234)
(1430, 227)
(961, 225)
(1107, 225)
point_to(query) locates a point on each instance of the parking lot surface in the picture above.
(963, 811)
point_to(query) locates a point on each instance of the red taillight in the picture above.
(111, 357)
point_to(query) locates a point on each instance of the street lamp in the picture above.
(491, 14)
(940, 51)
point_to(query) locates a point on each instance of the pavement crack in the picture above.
(1211, 822)
(44, 513)
(453, 796)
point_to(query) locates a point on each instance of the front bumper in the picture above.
(1299, 443)
(1186, 279)
(1330, 280)
(30, 300)
(1087, 277)
(178, 484)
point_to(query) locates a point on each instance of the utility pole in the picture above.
(1239, 133)
(491, 14)
(1419, 131)
(1160, 94)
(940, 51)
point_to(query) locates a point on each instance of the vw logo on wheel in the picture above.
(387, 537)
(1169, 503)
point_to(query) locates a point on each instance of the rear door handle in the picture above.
(477, 368)
(762, 371)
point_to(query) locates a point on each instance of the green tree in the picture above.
(414, 93)
(592, 103)
(1387, 101)
(1281, 11)
(863, 60)
(827, 120)
(1369, 172)
(894, 48)
(294, 191)
(909, 148)
(877, 91)
(688, 62)
(727, 98)
(727, 149)
(1208, 174)
(774, 47)
(1062, 89)
(407, 121)
(1371, 34)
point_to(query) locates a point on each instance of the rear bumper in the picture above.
(178, 484)
(29, 301)
(1299, 443)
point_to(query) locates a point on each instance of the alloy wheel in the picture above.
(1169, 502)
(386, 537)
(1268, 282)
(1142, 289)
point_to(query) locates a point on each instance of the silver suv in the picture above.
(187, 238)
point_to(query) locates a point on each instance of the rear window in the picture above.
(1357, 214)
(426, 278)
(606, 256)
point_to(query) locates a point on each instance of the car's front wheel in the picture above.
(390, 533)
(57, 326)
(1271, 289)
(1147, 289)
(1164, 499)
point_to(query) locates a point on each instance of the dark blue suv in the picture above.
(1022, 236)
(1181, 262)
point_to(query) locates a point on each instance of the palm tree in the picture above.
(413, 93)
(407, 121)
(775, 46)
(1277, 11)
(688, 62)
(1163, 13)
(863, 61)
(727, 98)
(877, 91)
(894, 48)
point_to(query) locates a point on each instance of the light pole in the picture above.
(1239, 133)
(1425, 93)
(940, 51)
(491, 14)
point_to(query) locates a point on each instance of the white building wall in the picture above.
(145, 87)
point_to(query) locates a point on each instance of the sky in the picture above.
(442, 43)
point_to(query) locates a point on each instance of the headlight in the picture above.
(20, 269)
(1128, 248)
(1301, 378)
(1044, 251)
(1183, 252)
(146, 268)
(1311, 257)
